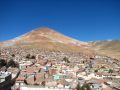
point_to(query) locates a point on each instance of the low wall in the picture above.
(41, 88)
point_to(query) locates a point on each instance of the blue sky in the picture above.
(86, 20)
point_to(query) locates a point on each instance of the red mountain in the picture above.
(46, 38)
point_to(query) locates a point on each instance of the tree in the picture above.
(66, 60)
(12, 63)
(33, 57)
(43, 83)
(96, 71)
(110, 71)
(83, 61)
(28, 56)
(78, 87)
(2, 62)
(13, 55)
(85, 87)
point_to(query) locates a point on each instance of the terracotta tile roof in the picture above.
(107, 88)
(20, 78)
(101, 80)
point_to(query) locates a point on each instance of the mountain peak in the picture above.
(46, 37)
(44, 29)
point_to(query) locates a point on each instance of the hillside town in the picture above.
(42, 69)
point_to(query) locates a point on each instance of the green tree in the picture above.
(96, 71)
(110, 71)
(66, 59)
(28, 56)
(78, 87)
(85, 87)
(33, 57)
(43, 83)
(2, 62)
(13, 55)
(12, 63)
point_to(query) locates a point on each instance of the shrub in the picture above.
(96, 71)
(66, 59)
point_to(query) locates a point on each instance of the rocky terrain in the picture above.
(47, 38)
(107, 47)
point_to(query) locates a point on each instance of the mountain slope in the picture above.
(107, 47)
(48, 39)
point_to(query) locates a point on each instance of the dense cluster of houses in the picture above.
(57, 70)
